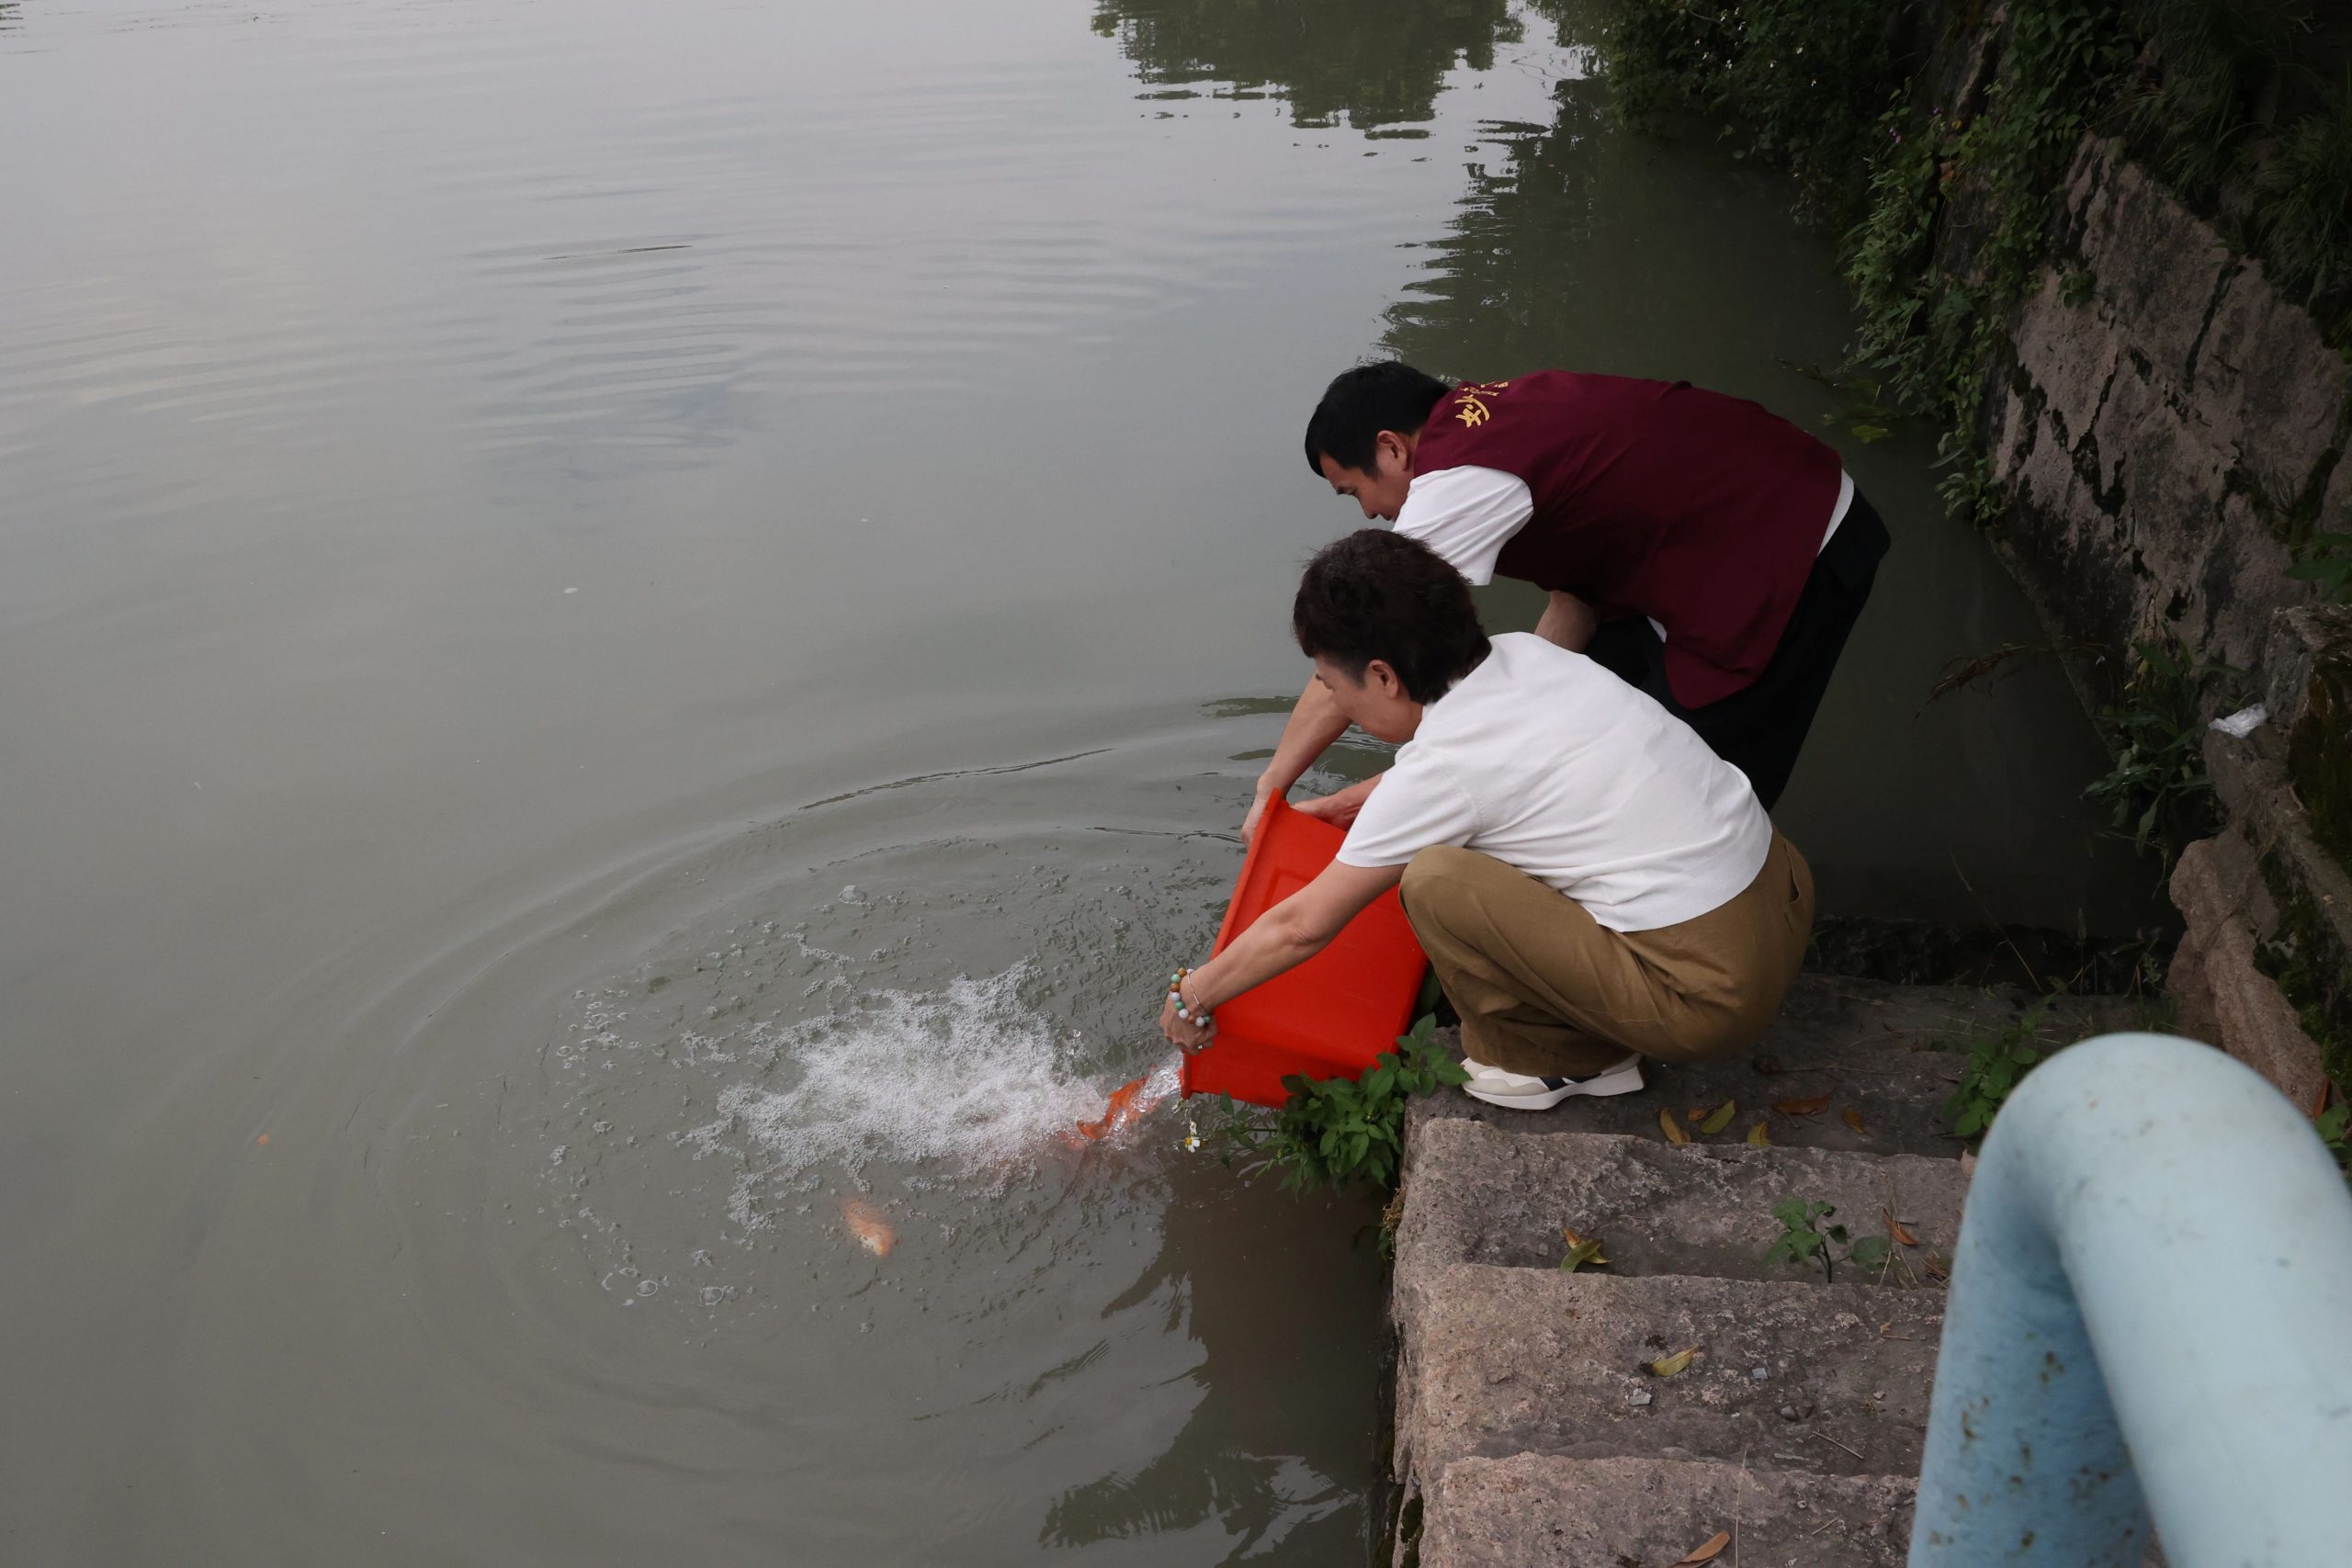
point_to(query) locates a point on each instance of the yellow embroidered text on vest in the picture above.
(1473, 410)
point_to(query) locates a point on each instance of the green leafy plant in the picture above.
(1334, 1131)
(2157, 792)
(2332, 1125)
(1998, 1060)
(1807, 1240)
(2302, 956)
(2304, 219)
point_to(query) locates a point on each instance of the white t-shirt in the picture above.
(1468, 514)
(1548, 762)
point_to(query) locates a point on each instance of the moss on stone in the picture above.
(2319, 751)
(2310, 969)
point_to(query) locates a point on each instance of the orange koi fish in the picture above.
(867, 1224)
(1130, 1103)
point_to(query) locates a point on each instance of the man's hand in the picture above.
(1267, 794)
(1340, 809)
(1568, 621)
(1313, 725)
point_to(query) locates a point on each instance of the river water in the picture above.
(623, 622)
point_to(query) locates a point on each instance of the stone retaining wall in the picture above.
(2166, 425)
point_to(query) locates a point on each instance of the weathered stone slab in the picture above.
(2298, 639)
(1532, 1511)
(2156, 265)
(2226, 998)
(1496, 1361)
(2156, 432)
(1866, 1045)
(1474, 1195)
(2267, 382)
(2225, 890)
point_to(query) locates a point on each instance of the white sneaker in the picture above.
(1518, 1091)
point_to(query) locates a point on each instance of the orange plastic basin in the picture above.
(1333, 1014)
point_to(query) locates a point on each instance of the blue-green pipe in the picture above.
(2151, 1312)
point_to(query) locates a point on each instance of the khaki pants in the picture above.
(1542, 988)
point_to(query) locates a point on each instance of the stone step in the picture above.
(1494, 1361)
(1477, 1195)
(1870, 1046)
(1541, 1511)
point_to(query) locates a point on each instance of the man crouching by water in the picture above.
(1592, 884)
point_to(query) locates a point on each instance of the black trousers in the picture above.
(1761, 728)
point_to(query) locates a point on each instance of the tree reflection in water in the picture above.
(1584, 246)
(1377, 61)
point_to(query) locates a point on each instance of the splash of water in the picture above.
(969, 1075)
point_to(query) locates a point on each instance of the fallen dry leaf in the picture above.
(1712, 1549)
(1895, 1228)
(1719, 1117)
(2318, 1101)
(1667, 1366)
(1811, 1105)
(1670, 1127)
(1935, 1267)
(1760, 1137)
(1854, 1120)
(1583, 1250)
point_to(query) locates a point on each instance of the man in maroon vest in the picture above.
(1699, 547)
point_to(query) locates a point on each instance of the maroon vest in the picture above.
(1700, 511)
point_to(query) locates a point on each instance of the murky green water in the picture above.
(622, 622)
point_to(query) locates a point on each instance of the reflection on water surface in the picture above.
(626, 624)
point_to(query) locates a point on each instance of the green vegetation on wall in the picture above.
(2158, 793)
(2244, 107)
(1936, 136)
(2310, 971)
(2319, 752)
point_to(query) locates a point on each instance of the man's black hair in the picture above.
(1376, 594)
(1360, 403)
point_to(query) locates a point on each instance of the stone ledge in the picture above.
(1497, 1361)
(1865, 1043)
(1487, 1197)
(1532, 1511)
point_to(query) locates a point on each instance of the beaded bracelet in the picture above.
(1199, 1017)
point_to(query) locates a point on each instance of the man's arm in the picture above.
(1568, 621)
(1315, 723)
(1283, 938)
